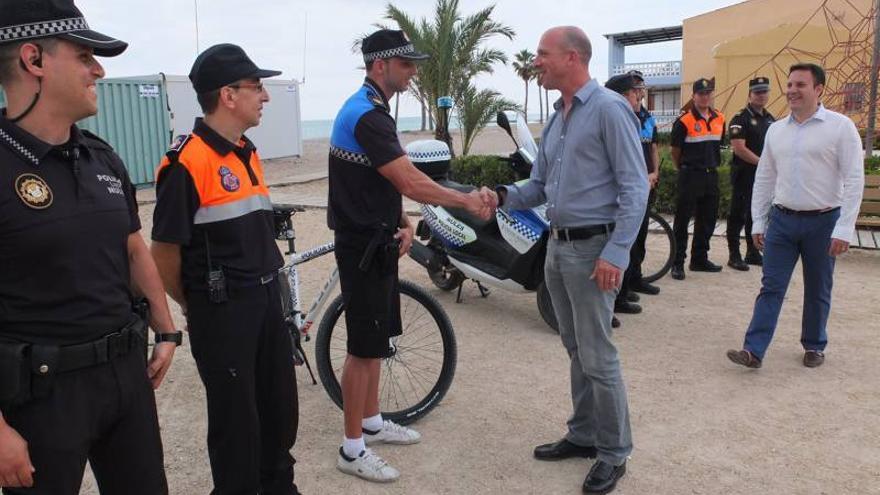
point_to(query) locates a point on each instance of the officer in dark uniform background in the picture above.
(74, 386)
(632, 86)
(368, 172)
(747, 129)
(696, 149)
(214, 243)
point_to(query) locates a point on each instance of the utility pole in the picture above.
(196, 8)
(872, 102)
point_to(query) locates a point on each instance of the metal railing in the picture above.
(670, 68)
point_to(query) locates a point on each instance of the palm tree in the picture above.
(454, 43)
(537, 77)
(476, 108)
(523, 65)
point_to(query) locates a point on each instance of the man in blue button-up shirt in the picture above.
(591, 173)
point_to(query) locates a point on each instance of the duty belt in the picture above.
(580, 233)
(105, 349)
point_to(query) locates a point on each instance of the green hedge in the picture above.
(481, 170)
(872, 165)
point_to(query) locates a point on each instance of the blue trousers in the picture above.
(788, 238)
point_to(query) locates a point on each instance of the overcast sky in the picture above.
(312, 39)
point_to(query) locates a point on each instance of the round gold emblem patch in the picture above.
(34, 191)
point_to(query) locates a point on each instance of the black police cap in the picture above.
(389, 43)
(759, 84)
(703, 85)
(622, 83)
(222, 65)
(24, 20)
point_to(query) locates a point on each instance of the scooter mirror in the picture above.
(503, 123)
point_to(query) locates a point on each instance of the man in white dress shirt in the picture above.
(806, 197)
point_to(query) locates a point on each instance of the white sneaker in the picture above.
(393, 433)
(368, 466)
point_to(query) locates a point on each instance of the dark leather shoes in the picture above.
(737, 264)
(563, 449)
(754, 258)
(627, 308)
(814, 359)
(744, 358)
(704, 266)
(603, 477)
(632, 296)
(645, 288)
(615, 323)
(678, 272)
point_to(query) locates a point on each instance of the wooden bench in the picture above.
(870, 204)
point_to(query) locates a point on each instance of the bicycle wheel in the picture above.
(659, 248)
(417, 376)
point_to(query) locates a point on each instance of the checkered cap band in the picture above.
(391, 52)
(42, 29)
(350, 156)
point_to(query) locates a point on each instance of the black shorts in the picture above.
(371, 296)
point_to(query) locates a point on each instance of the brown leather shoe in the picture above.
(744, 358)
(814, 359)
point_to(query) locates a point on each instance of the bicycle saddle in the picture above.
(286, 208)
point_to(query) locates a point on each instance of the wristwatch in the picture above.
(176, 337)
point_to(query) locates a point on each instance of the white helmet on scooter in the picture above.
(430, 156)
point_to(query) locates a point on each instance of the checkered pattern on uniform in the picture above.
(520, 228)
(42, 29)
(391, 52)
(350, 156)
(429, 156)
(438, 229)
(20, 148)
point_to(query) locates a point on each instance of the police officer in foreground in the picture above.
(747, 129)
(631, 86)
(74, 384)
(696, 149)
(214, 244)
(368, 172)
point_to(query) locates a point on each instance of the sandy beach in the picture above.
(700, 424)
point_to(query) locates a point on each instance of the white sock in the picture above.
(373, 423)
(352, 447)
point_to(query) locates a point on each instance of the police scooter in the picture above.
(506, 251)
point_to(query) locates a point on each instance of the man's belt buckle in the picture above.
(559, 234)
(265, 279)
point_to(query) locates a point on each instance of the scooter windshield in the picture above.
(528, 147)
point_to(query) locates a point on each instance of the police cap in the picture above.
(389, 43)
(703, 85)
(759, 84)
(622, 83)
(26, 20)
(222, 65)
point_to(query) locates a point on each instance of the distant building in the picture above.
(663, 79)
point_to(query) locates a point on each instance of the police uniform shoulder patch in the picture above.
(178, 143)
(95, 141)
(698, 127)
(34, 191)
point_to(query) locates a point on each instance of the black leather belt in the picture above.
(580, 233)
(107, 348)
(805, 213)
(707, 170)
(265, 279)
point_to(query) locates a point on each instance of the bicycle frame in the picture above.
(304, 321)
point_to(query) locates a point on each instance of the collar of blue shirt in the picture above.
(582, 95)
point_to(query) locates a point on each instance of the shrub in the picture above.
(481, 170)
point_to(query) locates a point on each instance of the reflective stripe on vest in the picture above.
(235, 209)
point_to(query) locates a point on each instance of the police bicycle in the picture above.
(419, 370)
(659, 248)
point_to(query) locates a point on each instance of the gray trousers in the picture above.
(601, 415)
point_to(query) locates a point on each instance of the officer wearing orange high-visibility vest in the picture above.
(214, 244)
(696, 149)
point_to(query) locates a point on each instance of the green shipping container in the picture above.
(133, 117)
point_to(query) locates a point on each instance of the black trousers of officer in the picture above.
(244, 355)
(742, 179)
(105, 414)
(698, 197)
(633, 273)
